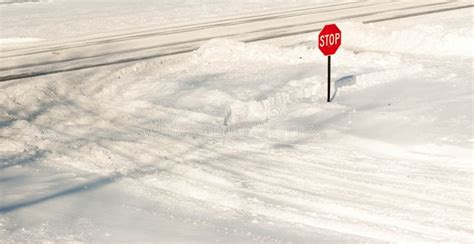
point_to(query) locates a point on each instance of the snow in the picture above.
(439, 40)
(70, 18)
(235, 143)
(4, 41)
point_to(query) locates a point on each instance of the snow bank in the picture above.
(247, 103)
(231, 51)
(422, 39)
(273, 100)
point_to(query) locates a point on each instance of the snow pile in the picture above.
(422, 39)
(227, 56)
(235, 52)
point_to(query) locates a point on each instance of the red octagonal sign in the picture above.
(329, 39)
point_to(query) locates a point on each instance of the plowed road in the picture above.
(52, 57)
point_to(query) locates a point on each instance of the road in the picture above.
(45, 58)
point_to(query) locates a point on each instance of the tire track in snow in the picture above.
(273, 179)
(191, 27)
(190, 45)
(333, 176)
(281, 176)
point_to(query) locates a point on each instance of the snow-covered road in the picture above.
(136, 44)
(234, 142)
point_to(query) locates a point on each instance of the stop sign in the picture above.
(329, 39)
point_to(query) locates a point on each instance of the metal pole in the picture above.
(329, 78)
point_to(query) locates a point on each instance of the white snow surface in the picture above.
(235, 143)
(71, 18)
(18, 40)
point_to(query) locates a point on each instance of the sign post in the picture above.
(329, 41)
(329, 78)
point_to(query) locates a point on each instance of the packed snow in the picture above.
(71, 18)
(235, 142)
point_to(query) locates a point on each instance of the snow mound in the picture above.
(245, 99)
(275, 106)
(226, 50)
(435, 40)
